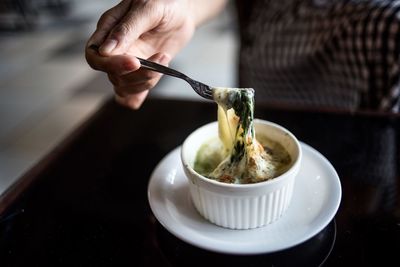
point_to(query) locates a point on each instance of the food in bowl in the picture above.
(238, 156)
(239, 205)
(213, 161)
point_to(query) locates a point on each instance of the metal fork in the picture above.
(200, 88)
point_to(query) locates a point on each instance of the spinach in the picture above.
(243, 105)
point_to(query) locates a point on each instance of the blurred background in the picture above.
(47, 89)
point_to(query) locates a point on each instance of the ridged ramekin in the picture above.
(241, 206)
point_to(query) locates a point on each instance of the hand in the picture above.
(153, 29)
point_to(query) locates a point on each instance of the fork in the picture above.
(200, 88)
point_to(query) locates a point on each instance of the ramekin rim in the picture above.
(272, 181)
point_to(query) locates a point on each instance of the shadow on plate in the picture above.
(313, 252)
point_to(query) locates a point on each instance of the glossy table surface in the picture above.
(86, 204)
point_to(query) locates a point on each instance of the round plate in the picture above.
(315, 201)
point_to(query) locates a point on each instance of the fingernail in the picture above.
(94, 47)
(108, 46)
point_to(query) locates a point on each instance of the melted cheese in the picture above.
(244, 159)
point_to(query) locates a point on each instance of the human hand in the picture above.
(153, 29)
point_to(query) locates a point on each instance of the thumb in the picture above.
(135, 23)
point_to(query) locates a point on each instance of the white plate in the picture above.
(316, 199)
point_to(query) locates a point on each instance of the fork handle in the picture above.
(150, 65)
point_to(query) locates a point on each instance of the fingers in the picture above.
(140, 80)
(107, 22)
(116, 65)
(143, 17)
(132, 101)
(131, 89)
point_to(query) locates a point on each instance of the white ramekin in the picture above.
(241, 206)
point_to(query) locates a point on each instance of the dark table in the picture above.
(85, 204)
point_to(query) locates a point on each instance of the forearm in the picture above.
(204, 10)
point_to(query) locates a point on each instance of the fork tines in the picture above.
(204, 90)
